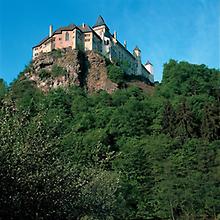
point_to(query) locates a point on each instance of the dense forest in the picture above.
(67, 154)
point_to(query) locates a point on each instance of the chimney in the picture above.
(125, 44)
(50, 30)
(115, 35)
(83, 25)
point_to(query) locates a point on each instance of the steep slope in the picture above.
(97, 78)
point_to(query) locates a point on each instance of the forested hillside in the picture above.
(67, 154)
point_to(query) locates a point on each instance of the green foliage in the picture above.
(70, 155)
(3, 88)
(115, 73)
(57, 53)
(44, 74)
(58, 71)
(55, 72)
(188, 79)
(25, 95)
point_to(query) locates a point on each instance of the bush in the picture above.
(116, 74)
(44, 74)
(58, 71)
(3, 88)
(57, 53)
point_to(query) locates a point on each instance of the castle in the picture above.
(97, 38)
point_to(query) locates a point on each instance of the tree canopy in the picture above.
(67, 154)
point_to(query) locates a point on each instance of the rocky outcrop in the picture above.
(87, 70)
(84, 69)
(96, 78)
(67, 59)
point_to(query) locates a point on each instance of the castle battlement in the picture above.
(97, 38)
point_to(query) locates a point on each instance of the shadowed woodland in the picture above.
(66, 154)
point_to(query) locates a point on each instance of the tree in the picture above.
(115, 73)
(169, 120)
(210, 127)
(3, 88)
(67, 154)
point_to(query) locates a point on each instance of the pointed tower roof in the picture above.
(137, 48)
(148, 62)
(99, 22)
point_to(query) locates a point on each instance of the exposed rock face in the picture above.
(67, 59)
(97, 74)
(83, 69)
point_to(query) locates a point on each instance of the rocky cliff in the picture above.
(81, 69)
(67, 67)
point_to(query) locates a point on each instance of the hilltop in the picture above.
(90, 70)
(97, 38)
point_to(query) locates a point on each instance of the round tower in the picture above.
(149, 67)
(137, 52)
(137, 55)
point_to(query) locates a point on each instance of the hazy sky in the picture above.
(163, 29)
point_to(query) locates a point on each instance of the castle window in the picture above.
(67, 36)
(107, 42)
(87, 39)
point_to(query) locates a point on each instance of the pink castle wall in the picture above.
(58, 44)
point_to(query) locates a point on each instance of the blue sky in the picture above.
(179, 29)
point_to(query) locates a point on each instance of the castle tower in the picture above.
(137, 55)
(137, 52)
(100, 27)
(102, 30)
(149, 67)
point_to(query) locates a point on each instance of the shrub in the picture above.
(58, 71)
(107, 61)
(3, 88)
(44, 74)
(115, 73)
(56, 53)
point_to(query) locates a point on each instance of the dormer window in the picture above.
(67, 36)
